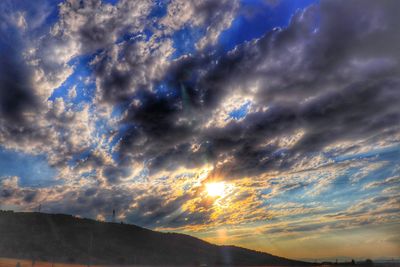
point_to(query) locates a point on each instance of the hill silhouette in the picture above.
(64, 238)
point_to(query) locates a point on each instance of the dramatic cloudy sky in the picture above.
(273, 125)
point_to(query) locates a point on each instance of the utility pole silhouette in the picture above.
(40, 207)
(113, 216)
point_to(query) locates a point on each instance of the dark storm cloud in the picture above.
(156, 129)
(21, 102)
(96, 25)
(15, 90)
(334, 79)
(16, 93)
(345, 114)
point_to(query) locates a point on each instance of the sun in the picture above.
(216, 189)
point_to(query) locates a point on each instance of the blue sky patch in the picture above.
(257, 18)
(241, 112)
(33, 171)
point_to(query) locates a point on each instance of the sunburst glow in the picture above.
(216, 189)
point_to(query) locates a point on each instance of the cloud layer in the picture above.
(137, 106)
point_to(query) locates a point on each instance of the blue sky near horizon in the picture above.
(199, 117)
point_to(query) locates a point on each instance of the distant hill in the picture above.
(64, 238)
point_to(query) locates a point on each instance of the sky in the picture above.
(268, 124)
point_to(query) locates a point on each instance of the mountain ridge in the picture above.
(65, 238)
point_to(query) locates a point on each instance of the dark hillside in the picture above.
(66, 238)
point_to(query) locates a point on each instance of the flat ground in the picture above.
(5, 262)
